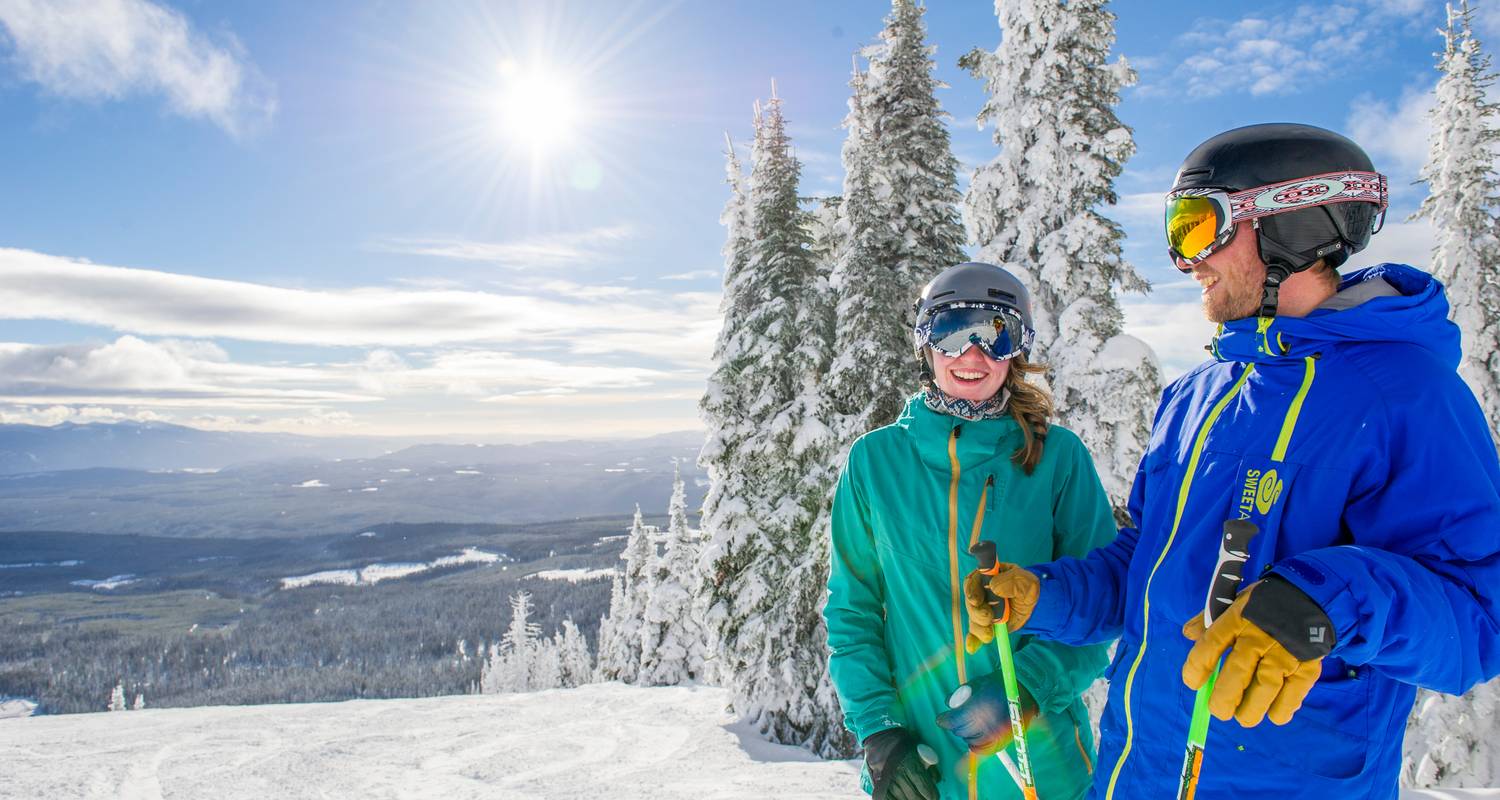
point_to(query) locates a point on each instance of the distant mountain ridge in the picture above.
(165, 446)
(160, 446)
(168, 480)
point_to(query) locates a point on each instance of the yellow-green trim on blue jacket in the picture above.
(912, 498)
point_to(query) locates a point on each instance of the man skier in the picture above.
(1332, 419)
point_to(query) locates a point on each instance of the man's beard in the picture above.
(1232, 301)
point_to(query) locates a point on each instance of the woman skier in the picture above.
(973, 457)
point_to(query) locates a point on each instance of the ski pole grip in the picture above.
(984, 550)
(1234, 551)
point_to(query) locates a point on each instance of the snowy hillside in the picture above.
(601, 740)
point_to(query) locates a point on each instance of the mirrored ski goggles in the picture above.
(996, 330)
(1200, 221)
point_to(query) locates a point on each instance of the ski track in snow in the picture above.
(602, 740)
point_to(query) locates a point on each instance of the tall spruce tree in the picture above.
(1461, 203)
(1033, 209)
(899, 220)
(767, 455)
(1450, 741)
(723, 409)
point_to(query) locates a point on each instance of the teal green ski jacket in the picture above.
(913, 497)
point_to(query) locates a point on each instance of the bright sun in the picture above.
(536, 108)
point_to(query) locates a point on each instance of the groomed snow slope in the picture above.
(603, 740)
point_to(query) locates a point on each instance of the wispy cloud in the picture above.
(1142, 209)
(692, 276)
(108, 49)
(1395, 133)
(1284, 52)
(482, 373)
(564, 249)
(132, 370)
(133, 373)
(674, 327)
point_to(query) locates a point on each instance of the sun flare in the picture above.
(537, 108)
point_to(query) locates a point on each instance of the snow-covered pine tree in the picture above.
(724, 410)
(117, 698)
(514, 665)
(735, 218)
(767, 454)
(611, 646)
(576, 665)
(140, 702)
(1450, 741)
(1461, 203)
(1032, 209)
(899, 221)
(622, 661)
(673, 646)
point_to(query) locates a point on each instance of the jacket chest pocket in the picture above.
(1260, 494)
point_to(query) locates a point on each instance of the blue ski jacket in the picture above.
(1350, 439)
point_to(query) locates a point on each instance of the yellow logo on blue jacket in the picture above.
(1260, 492)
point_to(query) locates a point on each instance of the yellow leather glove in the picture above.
(1021, 587)
(1261, 677)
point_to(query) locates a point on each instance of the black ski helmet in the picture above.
(973, 282)
(1260, 155)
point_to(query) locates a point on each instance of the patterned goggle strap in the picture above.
(1199, 221)
(1317, 190)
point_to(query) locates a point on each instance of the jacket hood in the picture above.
(1418, 315)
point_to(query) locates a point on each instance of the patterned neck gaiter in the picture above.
(943, 403)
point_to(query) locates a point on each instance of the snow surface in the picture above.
(601, 740)
(112, 582)
(572, 575)
(375, 573)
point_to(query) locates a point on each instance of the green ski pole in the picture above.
(1234, 550)
(988, 565)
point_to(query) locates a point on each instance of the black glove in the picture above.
(896, 769)
(982, 719)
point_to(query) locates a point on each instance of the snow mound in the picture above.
(12, 707)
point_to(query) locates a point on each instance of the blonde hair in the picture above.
(1031, 406)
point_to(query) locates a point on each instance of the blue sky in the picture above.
(334, 218)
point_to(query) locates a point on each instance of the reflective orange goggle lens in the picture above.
(1194, 223)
